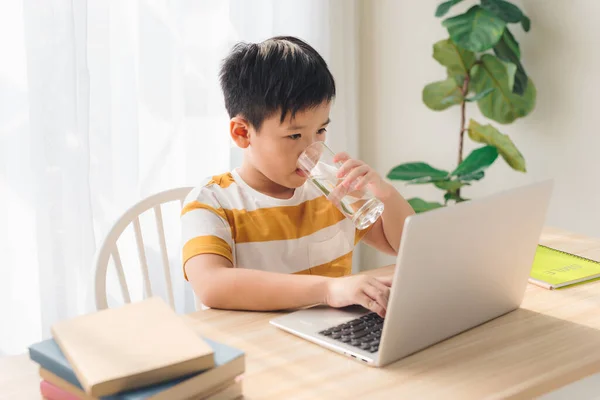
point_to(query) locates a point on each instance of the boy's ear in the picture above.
(239, 129)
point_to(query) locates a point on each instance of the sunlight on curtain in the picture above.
(101, 103)
(104, 102)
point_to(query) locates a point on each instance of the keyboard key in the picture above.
(369, 338)
(358, 335)
(363, 332)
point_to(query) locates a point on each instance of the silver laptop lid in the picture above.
(460, 266)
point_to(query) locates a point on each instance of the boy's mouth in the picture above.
(301, 173)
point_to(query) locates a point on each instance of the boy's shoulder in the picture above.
(216, 182)
(211, 189)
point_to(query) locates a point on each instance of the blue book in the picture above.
(229, 364)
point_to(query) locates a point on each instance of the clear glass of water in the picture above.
(360, 206)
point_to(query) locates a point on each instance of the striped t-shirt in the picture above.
(305, 234)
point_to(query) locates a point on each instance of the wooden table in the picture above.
(552, 340)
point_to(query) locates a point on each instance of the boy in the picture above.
(261, 237)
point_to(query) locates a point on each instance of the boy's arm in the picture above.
(218, 285)
(386, 232)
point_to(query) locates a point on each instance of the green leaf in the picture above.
(511, 44)
(503, 9)
(502, 105)
(450, 185)
(475, 176)
(477, 161)
(521, 81)
(507, 49)
(480, 95)
(511, 69)
(526, 23)
(443, 8)
(453, 196)
(489, 135)
(476, 30)
(457, 61)
(420, 205)
(415, 170)
(427, 179)
(443, 94)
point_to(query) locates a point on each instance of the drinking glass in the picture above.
(360, 206)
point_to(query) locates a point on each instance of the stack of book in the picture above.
(141, 350)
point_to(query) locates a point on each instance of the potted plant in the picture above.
(483, 65)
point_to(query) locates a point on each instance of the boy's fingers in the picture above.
(378, 295)
(371, 304)
(355, 174)
(386, 280)
(341, 157)
(364, 180)
(385, 289)
(347, 167)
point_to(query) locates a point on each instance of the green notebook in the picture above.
(553, 269)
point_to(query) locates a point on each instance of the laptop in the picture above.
(458, 267)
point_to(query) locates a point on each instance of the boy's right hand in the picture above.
(370, 292)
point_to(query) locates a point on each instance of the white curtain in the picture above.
(104, 102)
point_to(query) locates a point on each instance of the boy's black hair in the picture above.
(282, 74)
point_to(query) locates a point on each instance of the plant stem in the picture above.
(463, 107)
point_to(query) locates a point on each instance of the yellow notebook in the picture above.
(553, 269)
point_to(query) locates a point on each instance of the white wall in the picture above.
(559, 139)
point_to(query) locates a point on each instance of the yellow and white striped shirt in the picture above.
(305, 234)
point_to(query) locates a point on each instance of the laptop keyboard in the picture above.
(363, 332)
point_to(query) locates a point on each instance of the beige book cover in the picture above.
(132, 346)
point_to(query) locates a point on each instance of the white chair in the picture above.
(109, 247)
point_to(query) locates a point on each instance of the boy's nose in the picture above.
(313, 139)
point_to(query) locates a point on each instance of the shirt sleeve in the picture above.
(204, 227)
(359, 234)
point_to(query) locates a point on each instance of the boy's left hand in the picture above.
(358, 175)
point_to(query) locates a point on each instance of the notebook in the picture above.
(132, 346)
(554, 269)
(229, 364)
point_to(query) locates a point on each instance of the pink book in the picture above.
(52, 392)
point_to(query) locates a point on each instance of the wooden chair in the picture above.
(109, 248)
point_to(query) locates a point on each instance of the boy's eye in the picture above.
(297, 136)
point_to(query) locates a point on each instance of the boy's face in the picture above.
(275, 149)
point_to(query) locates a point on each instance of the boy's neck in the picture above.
(259, 182)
